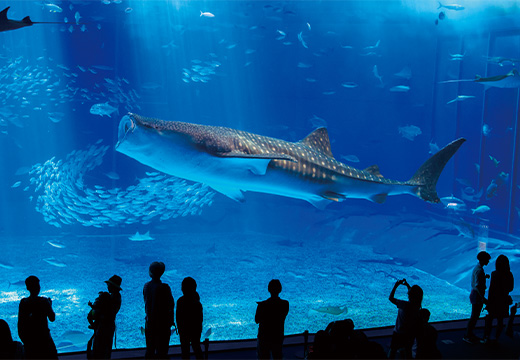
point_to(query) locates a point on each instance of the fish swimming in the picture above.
(206, 14)
(231, 161)
(103, 109)
(455, 7)
(460, 98)
(400, 88)
(409, 132)
(54, 262)
(332, 310)
(480, 209)
(7, 24)
(511, 80)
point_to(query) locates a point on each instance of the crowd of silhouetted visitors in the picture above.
(412, 331)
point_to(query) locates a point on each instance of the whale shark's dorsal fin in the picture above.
(319, 140)
(374, 170)
(3, 14)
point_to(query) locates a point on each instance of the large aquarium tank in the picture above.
(296, 102)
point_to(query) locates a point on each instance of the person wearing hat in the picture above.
(102, 319)
(33, 328)
(159, 307)
(478, 290)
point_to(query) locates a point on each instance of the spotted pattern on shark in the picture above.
(232, 161)
(301, 157)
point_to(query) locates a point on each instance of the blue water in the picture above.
(368, 71)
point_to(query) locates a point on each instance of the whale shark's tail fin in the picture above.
(426, 177)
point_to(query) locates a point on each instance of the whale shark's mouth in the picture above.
(126, 125)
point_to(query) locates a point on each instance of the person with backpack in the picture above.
(33, 328)
(159, 307)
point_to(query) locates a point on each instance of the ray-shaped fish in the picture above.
(231, 161)
(7, 24)
(510, 80)
(332, 310)
(141, 237)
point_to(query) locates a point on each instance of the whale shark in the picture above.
(232, 161)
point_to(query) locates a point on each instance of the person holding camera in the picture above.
(408, 321)
(478, 290)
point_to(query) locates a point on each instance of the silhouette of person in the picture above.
(426, 338)
(159, 307)
(270, 317)
(33, 328)
(102, 319)
(477, 298)
(9, 349)
(189, 319)
(501, 284)
(407, 322)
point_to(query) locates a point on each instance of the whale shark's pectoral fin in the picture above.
(379, 198)
(324, 199)
(257, 163)
(232, 193)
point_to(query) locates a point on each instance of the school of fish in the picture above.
(63, 198)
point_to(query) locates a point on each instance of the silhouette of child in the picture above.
(407, 322)
(501, 284)
(33, 328)
(9, 349)
(159, 307)
(427, 338)
(478, 290)
(189, 319)
(270, 316)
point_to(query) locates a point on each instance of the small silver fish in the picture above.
(54, 262)
(480, 209)
(400, 88)
(103, 109)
